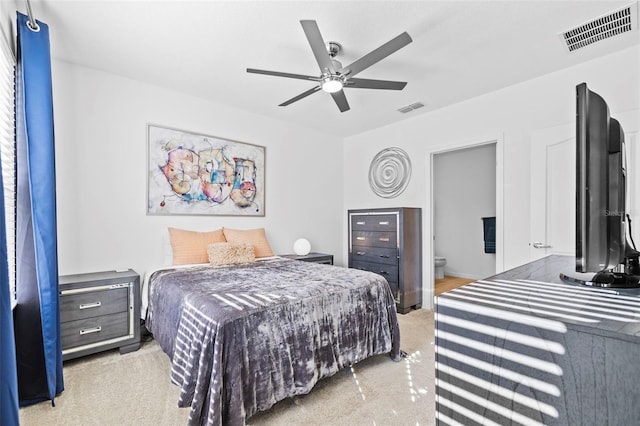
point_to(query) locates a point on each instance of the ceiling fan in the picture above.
(334, 77)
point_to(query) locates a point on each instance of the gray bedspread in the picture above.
(242, 338)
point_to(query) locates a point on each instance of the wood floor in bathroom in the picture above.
(449, 283)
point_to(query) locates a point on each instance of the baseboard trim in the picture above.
(462, 275)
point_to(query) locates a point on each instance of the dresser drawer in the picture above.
(93, 303)
(375, 254)
(390, 272)
(374, 239)
(91, 330)
(382, 222)
(394, 290)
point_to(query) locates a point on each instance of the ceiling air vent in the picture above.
(409, 108)
(612, 24)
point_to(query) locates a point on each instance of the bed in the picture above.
(243, 337)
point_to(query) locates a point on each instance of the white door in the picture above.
(553, 188)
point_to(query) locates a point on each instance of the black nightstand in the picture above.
(312, 257)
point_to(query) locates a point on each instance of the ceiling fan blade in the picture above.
(341, 101)
(377, 55)
(283, 74)
(318, 46)
(300, 96)
(365, 83)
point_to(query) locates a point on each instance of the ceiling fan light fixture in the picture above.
(331, 84)
(333, 76)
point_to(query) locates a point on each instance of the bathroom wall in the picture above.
(464, 183)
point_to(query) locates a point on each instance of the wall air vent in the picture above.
(615, 23)
(409, 108)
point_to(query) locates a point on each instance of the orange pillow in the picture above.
(255, 237)
(191, 246)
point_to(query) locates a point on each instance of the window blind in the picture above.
(8, 153)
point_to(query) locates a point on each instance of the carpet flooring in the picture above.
(135, 389)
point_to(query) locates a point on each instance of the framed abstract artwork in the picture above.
(194, 174)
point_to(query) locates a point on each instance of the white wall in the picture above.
(464, 183)
(101, 157)
(509, 115)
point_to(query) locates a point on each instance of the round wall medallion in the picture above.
(389, 172)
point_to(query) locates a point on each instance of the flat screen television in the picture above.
(604, 257)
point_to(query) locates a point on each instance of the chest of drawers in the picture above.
(389, 242)
(99, 311)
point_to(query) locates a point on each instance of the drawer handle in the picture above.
(91, 330)
(384, 239)
(383, 273)
(386, 222)
(384, 256)
(361, 253)
(360, 238)
(90, 305)
(359, 223)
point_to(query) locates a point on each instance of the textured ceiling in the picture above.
(460, 49)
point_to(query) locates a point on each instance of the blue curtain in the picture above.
(8, 375)
(37, 316)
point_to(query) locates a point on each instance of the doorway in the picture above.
(465, 188)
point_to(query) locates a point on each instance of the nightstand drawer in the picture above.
(91, 330)
(93, 303)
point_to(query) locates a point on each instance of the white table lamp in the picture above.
(301, 247)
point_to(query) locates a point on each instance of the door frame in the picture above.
(543, 139)
(498, 140)
(630, 121)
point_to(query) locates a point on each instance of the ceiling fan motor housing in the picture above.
(333, 47)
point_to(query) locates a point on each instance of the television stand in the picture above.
(525, 347)
(603, 279)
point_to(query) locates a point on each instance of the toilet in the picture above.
(439, 263)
